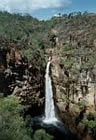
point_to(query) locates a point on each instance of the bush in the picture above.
(42, 135)
(12, 126)
(82, 104)
(88, 126)
(90, 117)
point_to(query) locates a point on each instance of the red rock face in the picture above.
(13, 56)
(18, 78)
(67, 106)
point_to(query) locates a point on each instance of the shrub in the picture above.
(90, 117)
(12, 126)
(42, 135)
(82, 104)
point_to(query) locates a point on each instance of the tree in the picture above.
(42, 135)
(12, 126)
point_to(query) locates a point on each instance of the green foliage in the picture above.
(81, 126)
(89, 126)
(76, 33)
(67, 47)
(82, 104)
(42, 135)
(66, 63)
(35, 57)
(68, 57)
(12, 126)
(29, 125)
(90, 117)
(16, 26)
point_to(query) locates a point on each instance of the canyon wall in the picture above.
(74, 100)
(20, 78)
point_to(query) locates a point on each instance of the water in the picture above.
(50, 116)
(50, 123)
(58, 129)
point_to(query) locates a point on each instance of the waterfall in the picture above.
(49, 101)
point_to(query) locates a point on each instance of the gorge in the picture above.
(57, 95)
(50, 122)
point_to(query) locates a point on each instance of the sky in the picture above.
(45, 9)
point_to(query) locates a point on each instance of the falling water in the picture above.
(50, 123)
(49, 102)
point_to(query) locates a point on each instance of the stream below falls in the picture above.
(58, 130)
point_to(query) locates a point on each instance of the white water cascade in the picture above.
(49, 101)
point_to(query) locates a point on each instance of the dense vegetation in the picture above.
(19, 33)
(12, 125)
(73, 39)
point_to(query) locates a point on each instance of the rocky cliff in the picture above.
(74, 99)
(20, 78)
